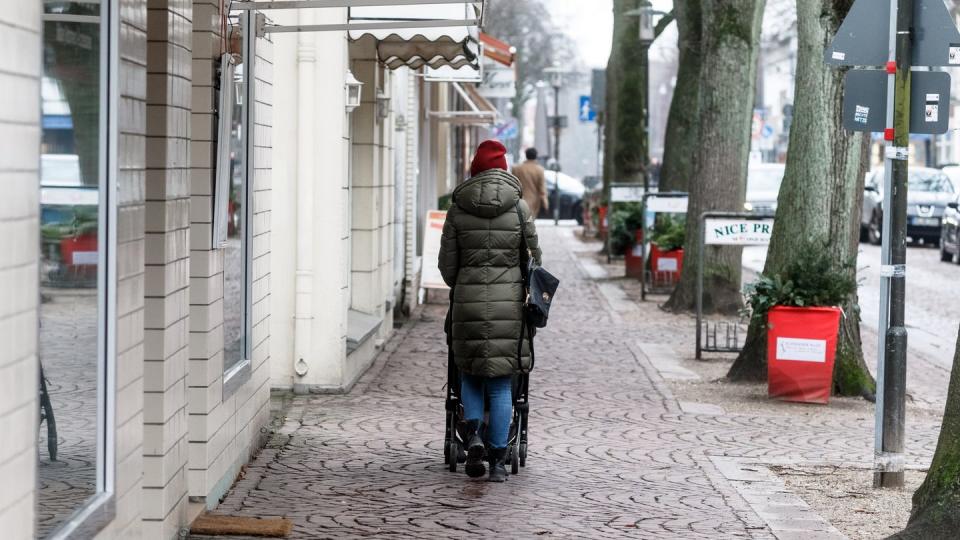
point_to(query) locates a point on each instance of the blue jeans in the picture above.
(500, 392)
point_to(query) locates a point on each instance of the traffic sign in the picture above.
(587, 114)
(863, 38)
(865, 101)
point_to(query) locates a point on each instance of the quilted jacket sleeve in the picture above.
(449, 260)
(530, 229)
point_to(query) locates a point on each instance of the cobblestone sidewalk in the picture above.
(612, 453)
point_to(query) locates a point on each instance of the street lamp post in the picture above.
(556, 80)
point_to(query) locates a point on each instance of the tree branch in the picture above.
(662, 24)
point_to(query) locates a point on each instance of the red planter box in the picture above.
(801, 347)
(665, 266)
(634, 257)
(80, 250)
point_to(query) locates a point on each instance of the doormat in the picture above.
(218, 525)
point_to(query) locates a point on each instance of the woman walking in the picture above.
(481, 257)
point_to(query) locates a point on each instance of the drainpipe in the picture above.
(306, 147)
(411, 210)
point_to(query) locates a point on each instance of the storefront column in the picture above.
(166, 320)
(19, 288)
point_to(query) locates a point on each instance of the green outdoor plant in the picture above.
(624, 222)
(669, 233)
(811, 279)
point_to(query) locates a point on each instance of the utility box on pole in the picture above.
(907, 33)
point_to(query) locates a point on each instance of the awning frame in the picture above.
(474, 116)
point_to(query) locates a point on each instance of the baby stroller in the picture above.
(453, 442)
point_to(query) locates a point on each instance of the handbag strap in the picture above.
(525, 270)
(525, 246)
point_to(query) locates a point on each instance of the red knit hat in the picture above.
(490, 155)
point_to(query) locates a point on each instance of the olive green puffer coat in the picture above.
(480, 259)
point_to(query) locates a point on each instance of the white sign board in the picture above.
(668, 205)
(498, 82)
(802, 350)
(631, 193)
(737, 231)
(430, 277)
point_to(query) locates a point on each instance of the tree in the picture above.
(935, 503)
(625, 116)
(526, 25)
(730, 35)
(821, 194)
(682, 136)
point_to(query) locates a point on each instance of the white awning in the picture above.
(405, 35)
(479, 110)
(411, 33)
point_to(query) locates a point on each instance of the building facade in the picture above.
(195, 213)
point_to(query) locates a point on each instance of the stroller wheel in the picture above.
(514, 459)
(523, 455)
(451, 454)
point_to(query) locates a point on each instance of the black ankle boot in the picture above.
(474, 466)
(498, 471)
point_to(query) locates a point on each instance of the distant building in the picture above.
(775, 80)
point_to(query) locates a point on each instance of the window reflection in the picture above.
(70, 272)
(234, 286)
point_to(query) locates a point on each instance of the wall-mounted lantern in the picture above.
(353, 87)
(383, 105)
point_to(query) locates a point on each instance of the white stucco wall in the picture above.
(310, 71)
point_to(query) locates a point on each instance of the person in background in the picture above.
(481, 257)
(533, 184)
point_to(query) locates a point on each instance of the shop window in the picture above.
(75, 457)
(232, 211)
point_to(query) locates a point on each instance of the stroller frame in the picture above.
(453, 442)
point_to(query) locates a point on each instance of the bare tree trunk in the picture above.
(935, 503)
(821, 195)
(730, 38)
(621, 24)
(682, 136)
(631, 87)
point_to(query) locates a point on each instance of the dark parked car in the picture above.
(950, 233)
(571, 197)
(928, 192)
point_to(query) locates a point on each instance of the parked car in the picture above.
(571, 197)
(763, 187)
(928, 192)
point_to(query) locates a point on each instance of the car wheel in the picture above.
(578, 213)
(944, 256)
(874, 234)
(864, 235)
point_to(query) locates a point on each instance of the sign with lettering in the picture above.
(801, 350)
(626, 193)
(668, 205)
(737, 231)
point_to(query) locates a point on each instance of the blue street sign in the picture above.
(587, 114)
(767, 131)
(507, 130)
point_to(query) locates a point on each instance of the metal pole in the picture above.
(703, 242)
(890, 461)
(643, 249)
(556, 155)
(646, 117)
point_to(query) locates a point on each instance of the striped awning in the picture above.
(410, 35)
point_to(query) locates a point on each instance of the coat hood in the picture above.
(488, 194)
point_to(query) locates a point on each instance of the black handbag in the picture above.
(540, 287)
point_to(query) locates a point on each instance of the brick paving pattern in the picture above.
(68, 350)
(611, 452)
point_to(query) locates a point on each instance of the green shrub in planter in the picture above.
(624, 222)
(668, 233)
(810, 279)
